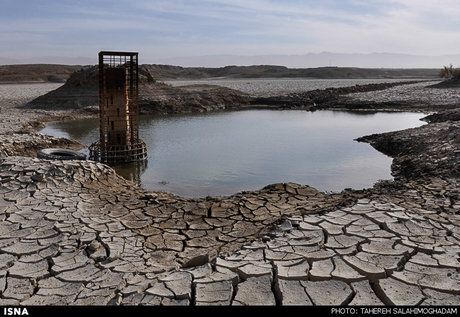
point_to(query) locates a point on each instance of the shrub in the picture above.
(449, 72)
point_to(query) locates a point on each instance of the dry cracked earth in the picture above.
(75, 233)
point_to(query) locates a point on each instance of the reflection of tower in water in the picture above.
(118, 110)
(132, 171)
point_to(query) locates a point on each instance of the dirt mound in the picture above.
(325, 98)
(90, 76)
(430, 150)
(81, 92)
(164, 99)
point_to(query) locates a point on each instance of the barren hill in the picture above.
(60, 73)
(36, 73)
(273, 71)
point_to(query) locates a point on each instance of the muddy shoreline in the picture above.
(77, 233)
(417, 153)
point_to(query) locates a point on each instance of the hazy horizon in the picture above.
(311, 60)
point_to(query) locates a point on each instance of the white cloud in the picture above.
(424, 27)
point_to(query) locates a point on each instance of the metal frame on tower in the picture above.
(118, 110)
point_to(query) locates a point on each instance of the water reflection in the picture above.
(132, 171)
(82, 130)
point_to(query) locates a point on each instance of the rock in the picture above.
(344, 272)
(398, 293)
(198, 260)
(255, 291)
(292, 292)
(329, 293)
(36, 270)
(292, 270)
(442, 279)
(18, 289)
(364, 295)
(82, 274)
(179, 283)
(159, 289)
(321, 270)
(374, 265)
(53, 286)
(255, 270)
(215, 293)
(440, 299)
(97, 251)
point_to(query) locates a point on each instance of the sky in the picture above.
(162, 29)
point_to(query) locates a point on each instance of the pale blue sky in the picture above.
(169, 28)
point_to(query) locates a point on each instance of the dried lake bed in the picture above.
(280, 86)
(76, 233)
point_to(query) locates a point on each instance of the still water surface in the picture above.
(227, 152)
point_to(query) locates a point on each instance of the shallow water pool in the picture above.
(227, 152)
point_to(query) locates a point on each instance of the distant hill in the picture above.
(36, 73)
(60, 73)
(271, 71)
(308, 60)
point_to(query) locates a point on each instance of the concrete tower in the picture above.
(118, 110)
